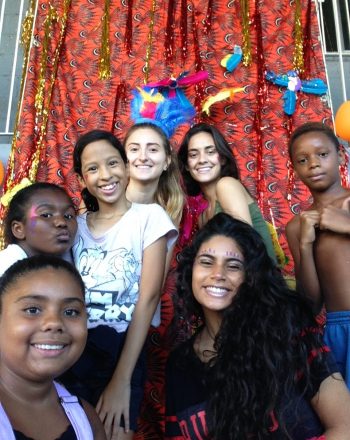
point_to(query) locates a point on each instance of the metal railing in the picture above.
(334, 20)
(11, 17)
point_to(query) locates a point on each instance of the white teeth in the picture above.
(216, 290)
(48, 347)
(111, 186)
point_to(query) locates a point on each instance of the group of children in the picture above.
(255, 367)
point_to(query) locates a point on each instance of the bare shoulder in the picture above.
(338, 202)
(95, 422)
(229, 184)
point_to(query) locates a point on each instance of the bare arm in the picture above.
(115, 400)
(232, 197)
(332, 405)
(300, 232)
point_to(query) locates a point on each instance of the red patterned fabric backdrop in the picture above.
(151, 40)
(78, 42)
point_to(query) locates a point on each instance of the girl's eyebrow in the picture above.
(42, 298)
(233, 256)
(147, 145)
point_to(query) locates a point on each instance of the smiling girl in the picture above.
(120, 251)
(257, 368)
(154, 173)
(209, 168)
(155, 178)
(42, 333)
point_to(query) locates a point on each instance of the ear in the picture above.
(223, 161)
(81, 181)
(18, 230)
(167, 163)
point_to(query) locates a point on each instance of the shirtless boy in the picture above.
(319, 238)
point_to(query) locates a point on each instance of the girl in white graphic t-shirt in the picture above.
(120, 251)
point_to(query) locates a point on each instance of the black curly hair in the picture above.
(262, 345)
(229, 168)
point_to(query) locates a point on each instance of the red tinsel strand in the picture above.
(290, 170)
(307, 42)
(261, 97)
(208, 18)
(120, 95)
(169, 33)
(200, 92)
(128, 29)
(183, 30)
(344, 170)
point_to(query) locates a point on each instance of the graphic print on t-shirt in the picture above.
(111, 280)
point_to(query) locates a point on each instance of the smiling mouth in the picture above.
(49, 347)
(109, 189)
(204, 169)
(217, 291)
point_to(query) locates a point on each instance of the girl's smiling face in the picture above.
(146, 155)
(218, 272)
(203, 160)
(43, 325)
(104, 172)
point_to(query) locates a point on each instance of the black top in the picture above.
(69, 434)
(187, 385)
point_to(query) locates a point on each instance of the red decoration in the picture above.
(208, 18)
(128, 28)
(169, 33)
(183, 30)
(260, 101)
(119, 96)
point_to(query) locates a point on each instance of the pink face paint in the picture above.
(208, 251)
(32, 217)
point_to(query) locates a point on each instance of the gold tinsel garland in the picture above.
(105, 54)
(44, 104)
(246, 44)
(26, 39)
(149, 41)
(298, 58)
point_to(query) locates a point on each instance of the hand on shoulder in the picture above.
(336, 219)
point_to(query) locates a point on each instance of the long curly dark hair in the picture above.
(229, 168)
(263, 345)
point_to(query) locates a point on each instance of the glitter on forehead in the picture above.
(230, 254)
